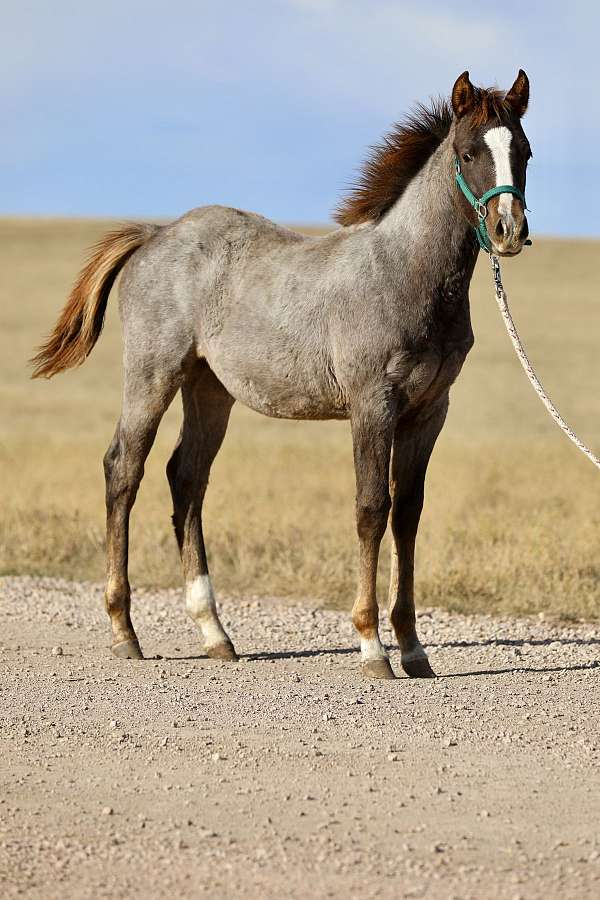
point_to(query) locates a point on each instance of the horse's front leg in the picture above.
(411, 451)
(372, 430)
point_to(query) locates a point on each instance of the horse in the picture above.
(369, 322)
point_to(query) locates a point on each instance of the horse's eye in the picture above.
(467, 157)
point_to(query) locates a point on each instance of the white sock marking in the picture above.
(499, 141)
(371, 648)
(202, 608)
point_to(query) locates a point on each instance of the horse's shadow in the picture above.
(523, 670)
(263, 656)
(520, 642)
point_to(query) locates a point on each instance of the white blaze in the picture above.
(202, 608)
(499, 140)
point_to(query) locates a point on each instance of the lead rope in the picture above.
(502, 301)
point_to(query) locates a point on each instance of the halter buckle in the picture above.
(482, 209)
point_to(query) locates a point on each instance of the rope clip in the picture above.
(495, 262)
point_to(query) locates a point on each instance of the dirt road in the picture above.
(286, 774)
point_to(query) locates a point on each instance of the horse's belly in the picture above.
(282, 392)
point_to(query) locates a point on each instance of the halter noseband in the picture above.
(479, 204)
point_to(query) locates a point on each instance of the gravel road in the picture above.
(287, 774)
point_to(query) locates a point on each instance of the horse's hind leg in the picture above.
(206, 409)
(144, 403)
(410, 457)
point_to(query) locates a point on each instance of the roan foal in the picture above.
(369, 322)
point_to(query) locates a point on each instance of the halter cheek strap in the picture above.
(479, 204)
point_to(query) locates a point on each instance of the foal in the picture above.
(370, 323)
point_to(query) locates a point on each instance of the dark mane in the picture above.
(404, 151)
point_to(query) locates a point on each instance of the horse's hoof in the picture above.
(225, 650)
(418, 667)
(377, 668)
(127, 650)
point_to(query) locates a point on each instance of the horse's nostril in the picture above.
(500, 228)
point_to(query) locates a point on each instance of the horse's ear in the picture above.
(518, 96)
(463, 96)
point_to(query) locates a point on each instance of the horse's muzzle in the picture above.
(507, 228)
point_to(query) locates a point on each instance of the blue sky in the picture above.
(146, 108)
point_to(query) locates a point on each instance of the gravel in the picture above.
(287, 774)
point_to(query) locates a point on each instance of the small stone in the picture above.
(57, 651)
(107, 811)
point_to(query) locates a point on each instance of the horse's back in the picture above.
(227, 224)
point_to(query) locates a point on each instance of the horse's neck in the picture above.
(426, 227)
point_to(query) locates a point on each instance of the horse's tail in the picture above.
(80, 323)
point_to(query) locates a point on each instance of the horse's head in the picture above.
(492, 150)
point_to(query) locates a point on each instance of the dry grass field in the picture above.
(512, 518)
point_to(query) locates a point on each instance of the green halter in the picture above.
(479, 204)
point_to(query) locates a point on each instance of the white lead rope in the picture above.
(519, 350)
